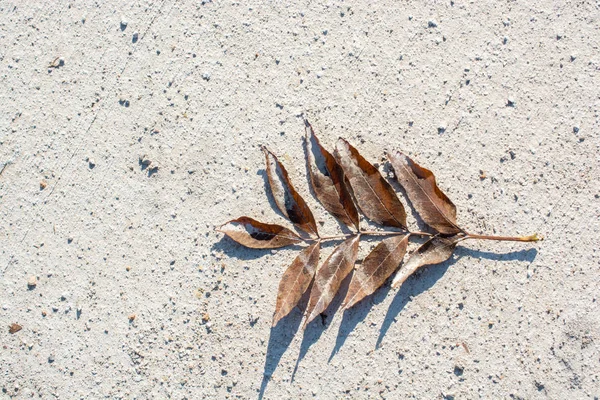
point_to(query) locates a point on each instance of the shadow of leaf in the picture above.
(355, 315)
(235, 250)
(312, 333)
(315, 329)
(268, 193)
(281, 336)
(430, 275)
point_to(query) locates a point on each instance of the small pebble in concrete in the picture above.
(442, 127)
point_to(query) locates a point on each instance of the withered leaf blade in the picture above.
(296, 280)
(379, 265)
(329, 277)
(327, 179)
(289, 202)
(431, 203)
(14, 328)
(374, 195)
(436, 250)
(258, 235)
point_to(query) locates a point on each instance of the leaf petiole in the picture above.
(530, 238)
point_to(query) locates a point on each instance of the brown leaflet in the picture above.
(330, 276)
(257, 235)
(374, 195)
(434, 251)
(296, 280)
(291, 204)
(329, 185)
(375, 269)
(431, 203)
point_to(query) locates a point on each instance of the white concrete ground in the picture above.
(129, 130)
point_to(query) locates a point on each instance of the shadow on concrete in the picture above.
(430, 275)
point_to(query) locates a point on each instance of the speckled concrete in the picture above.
(129, 130)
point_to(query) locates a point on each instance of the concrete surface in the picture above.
(129, 130)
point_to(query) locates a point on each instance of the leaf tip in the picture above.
(267, 152)
(220, 227)
(346, 305)
(304, 326)
(398, 280)
(308, 318)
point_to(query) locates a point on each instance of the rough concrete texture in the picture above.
(129, 130)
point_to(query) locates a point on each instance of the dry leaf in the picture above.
(379, 265)
(329, 277)
(434, 251)
(257, 235)
(431, 203)
(328, 182)
(289, 202)
(374, 195)
(14, 328)
(336, 185)
(296, 280)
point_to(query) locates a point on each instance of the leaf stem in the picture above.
(531, 238)
(418, 233)
(382, 233)
(367, 233)
(336, 237)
